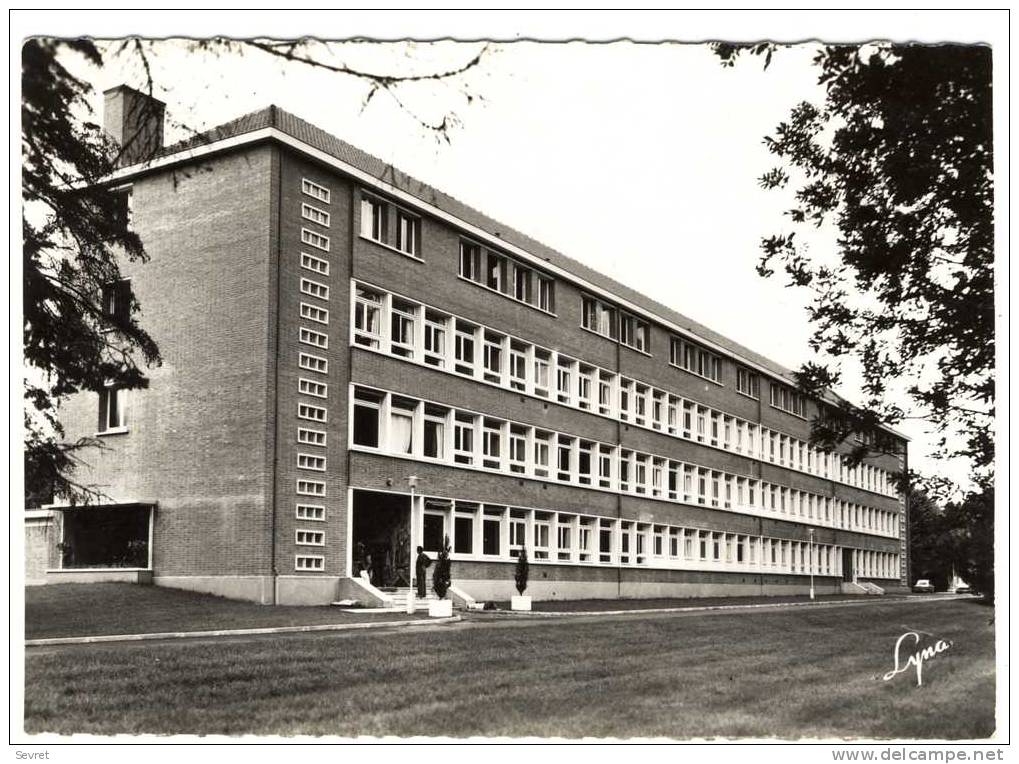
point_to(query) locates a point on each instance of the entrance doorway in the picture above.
(381, 538)
(847, 565)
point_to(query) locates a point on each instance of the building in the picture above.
(356, 363)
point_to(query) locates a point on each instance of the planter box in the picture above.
(520, 602)
(440, 608)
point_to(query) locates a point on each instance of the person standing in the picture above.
(420, 566)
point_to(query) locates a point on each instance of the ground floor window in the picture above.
(105, 537)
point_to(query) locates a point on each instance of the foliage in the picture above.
(75, 231)
(898, 158)
(958, 537)
(441, 575)
(522, 571)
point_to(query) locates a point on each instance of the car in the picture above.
(923, 586)
(964, 589)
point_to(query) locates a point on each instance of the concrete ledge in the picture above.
(249, 588)
(234, 632)
(306, 590)
(98, 576)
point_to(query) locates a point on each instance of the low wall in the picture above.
(250, 588)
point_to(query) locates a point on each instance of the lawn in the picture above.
(579, 606)
(795, 673)
(79, 610)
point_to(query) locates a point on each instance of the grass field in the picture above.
(79, 610)
(813, 673)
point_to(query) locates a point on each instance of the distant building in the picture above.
(355, 363)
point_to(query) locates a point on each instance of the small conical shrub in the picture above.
(440, 577)
(522, 571)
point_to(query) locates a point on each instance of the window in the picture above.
(518, 366)
(313, 239)
(542, 445)
(408, 233)
(309, 538)
(401, 426)
(518, 531)
(314, 313)
(317, 339)
(367, 405)
(605, 466)
(310, 387)
(463, 439)
(433, 527)
(584, 379)
(435, 339)
(401, 333)
(311, 488)
(491, 444)
(367, 317)
(470, 261)
(491, 532)
(314, 214)
(634, 333)
(542, 533)
(316, 264)
(435, 432)
(310, 362)
(517, 449)
(311, 437)
(463, 533)
(599, 317)
(563, 380)
(521, 283)
(117, 300)
(564, 458)
(788, 400)
(309, 562)
(314, 289)
(464, 349)
(495, 272)
(112, 409)
(546, 294)
(311, 462)
(564, 538)
(314, 190)
(493, 357)
(747, 382)
(311, 512)
(373, 219)
(695, 359)
(542, 362)
(311, 413)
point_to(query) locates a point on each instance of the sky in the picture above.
(640, 160)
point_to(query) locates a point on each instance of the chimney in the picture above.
(135, 121)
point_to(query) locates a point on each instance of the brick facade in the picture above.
(213, 442)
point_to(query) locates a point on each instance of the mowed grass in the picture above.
(81, 610)
(798, 673)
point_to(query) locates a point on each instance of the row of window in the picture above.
(693, 358)
(609, 321)
(506, 276)
(415, 332)
(408, 427)
(375, 225)
(315, 385)
(491, 531)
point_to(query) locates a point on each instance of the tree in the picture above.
(441, 580)
(932, 548)
(522, 571)
(972, 525)
(76, 232)
(898, 159)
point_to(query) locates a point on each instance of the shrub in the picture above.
(441, 575)
(521, 572)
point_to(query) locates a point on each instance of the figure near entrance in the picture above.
(420, 570)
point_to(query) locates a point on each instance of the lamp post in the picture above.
(811, 563)
(412, 481)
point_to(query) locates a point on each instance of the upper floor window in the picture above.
(112, 409)
(373, 218)
(635, 333)
(408, 233)
(747, 382)
(506, 276)
(117, 299)
(787, 399)
(693, 358)
(599, 317)
(314, 190)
